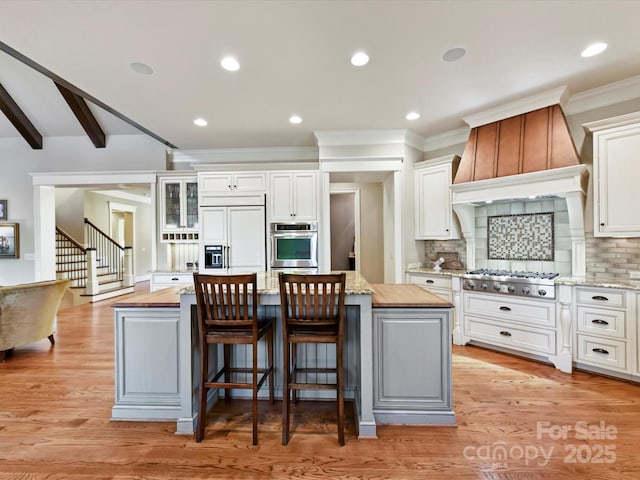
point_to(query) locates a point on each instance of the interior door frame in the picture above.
(356, 214)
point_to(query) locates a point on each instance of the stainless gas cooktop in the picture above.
(527, 284)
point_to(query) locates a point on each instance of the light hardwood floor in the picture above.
(55, 406)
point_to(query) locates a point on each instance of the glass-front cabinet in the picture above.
(179, 209)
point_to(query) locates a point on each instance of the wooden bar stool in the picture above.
(228, 315)
(312, 312)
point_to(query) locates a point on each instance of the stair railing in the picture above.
(74, 262)
(113, 259)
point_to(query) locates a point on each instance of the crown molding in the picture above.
(335, 138)
(554, 96)
(613, 122)
(246, 155)
(446, 139)
(603, 96)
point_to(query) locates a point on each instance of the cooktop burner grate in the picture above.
(511, 274)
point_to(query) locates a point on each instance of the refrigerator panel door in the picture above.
(246, 239)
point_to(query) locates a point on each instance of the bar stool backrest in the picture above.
(312, 299)
(226, 300)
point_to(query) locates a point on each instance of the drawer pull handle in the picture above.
(505, 309)
(597, 321)
(175, 279)
(504, 333)
(600, 298)
(429, 281)
(600, 350)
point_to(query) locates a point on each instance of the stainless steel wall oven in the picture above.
(294, 245)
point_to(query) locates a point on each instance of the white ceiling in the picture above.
(295, 59)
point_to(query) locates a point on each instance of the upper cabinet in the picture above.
(293, 196)
(616, 160)
(434, 217)
(179, 208)
(232, 182)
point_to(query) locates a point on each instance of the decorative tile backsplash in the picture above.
(526, 236)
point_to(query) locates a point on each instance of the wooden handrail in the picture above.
(70, 239)
(106, 237)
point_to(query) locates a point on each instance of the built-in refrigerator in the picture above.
(232, 238)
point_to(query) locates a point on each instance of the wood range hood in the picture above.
(523, 151)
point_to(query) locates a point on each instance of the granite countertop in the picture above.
(167, 297)
(268, 284)
(431, 271)
(602, 282)
(589, 281)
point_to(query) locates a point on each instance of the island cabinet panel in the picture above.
(412, 366)
(146, 357)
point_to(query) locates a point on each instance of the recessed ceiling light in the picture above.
(359, 59)
(141, 68)
(230, 64)
(201, 122)
(454, 54)
(488, 201)
(594, 49)
(412, 116)
(295, 119)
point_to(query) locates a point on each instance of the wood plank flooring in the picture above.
(55, 405)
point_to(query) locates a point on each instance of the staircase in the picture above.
(101, 270)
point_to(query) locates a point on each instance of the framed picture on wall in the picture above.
(9, 240)
(3, 210)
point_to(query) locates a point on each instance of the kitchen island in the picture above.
(156, 352)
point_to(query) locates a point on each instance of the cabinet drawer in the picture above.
(530, 312)
(602, 297)
(509, 335)
(166, 280)
(437, 281)
(602, 321)
(604, 353)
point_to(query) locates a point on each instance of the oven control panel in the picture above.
(510, 287)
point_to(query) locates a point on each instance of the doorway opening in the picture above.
(345, 229)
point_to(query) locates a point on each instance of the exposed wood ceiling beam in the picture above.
(19, 120)
(81, 110)
(61, 81)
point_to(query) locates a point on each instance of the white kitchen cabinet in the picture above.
(520, 324)
(616, 156)
(293, 196)
(434, 216)
(240, 230)
(437, 284)
(232, 182)
(160, 280)
(179, 209)
(602, 337)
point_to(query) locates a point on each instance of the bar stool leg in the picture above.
(285, 391)
(204, 373)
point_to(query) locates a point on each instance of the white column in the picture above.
(92, 287)
(564, 343)
(127, 266)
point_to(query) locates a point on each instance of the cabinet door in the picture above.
(216, 182)
(434, 215)
(171, 214)
(247, 239)
(249, 182)
(281, 197)
(190, 215)
(305, 199)
(616, 189)
(213, 225)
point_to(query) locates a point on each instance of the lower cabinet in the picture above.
(147, 383)
(412, 366)
(604, 326)
(438, 284)
(160, 280)
(524, 325)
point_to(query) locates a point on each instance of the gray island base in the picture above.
(157, 353)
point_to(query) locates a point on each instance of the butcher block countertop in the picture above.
(167, 297)
(405, 296)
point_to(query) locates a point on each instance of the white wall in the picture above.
(60, 154)
(343, 229)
